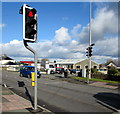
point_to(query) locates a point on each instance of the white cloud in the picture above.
(105, 22)
(15, 48)
(75, 30)
(61, 36)
(2, 25)
(107, 47)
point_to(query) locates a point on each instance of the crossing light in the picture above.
(29, 23)
(89, 51)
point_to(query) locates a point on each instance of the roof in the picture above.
(10, 63)
(4, 57)
(114, 63)
(29, 62)
(85, 61)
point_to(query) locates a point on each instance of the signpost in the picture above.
(30, 35)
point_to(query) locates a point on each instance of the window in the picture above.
(51, 66)
(78, 67)
(86, 67)
(30, 69)
(95, 67)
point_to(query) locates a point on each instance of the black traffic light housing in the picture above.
(29, 23)
(89, 50)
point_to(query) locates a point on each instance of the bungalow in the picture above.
(85, 65)
(5, 59)
(115, 64)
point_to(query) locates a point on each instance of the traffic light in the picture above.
(29, 23)
(89, 51)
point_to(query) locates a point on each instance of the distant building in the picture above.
(31, 63)
(115, 64)
(5, 60)
(103, 69)
(27, 62)
(85, 65)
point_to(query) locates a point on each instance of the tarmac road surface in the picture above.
(59, 96)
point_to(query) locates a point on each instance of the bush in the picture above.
(94, 70)
(100, 76)
(112, 71)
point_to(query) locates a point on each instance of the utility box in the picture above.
(84, 73)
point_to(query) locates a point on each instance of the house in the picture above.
(103, 69)
(115, 64)
(66, 63)
(85, 65)
(9, 63)
(5, 60)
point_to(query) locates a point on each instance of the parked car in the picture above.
(52, 72)
(72, 71)
(27, 70)
(59, 70)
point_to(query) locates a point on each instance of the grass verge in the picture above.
(97, 80)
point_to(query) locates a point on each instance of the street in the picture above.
(58, 95)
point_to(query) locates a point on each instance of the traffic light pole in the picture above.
(35, 61)
(89, 59)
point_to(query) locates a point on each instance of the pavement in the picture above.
(11, 102)
(103, 84)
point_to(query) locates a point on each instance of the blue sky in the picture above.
(51, 16)
(63, 30)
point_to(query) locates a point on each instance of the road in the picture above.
(59, 96)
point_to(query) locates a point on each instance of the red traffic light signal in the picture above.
(31, 12)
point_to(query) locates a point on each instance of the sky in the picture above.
(63, 30)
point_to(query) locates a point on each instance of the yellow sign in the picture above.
(33, 78)
(33, 83)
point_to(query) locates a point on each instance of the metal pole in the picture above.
(89, 58)
(90, 37)
(35, 61)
